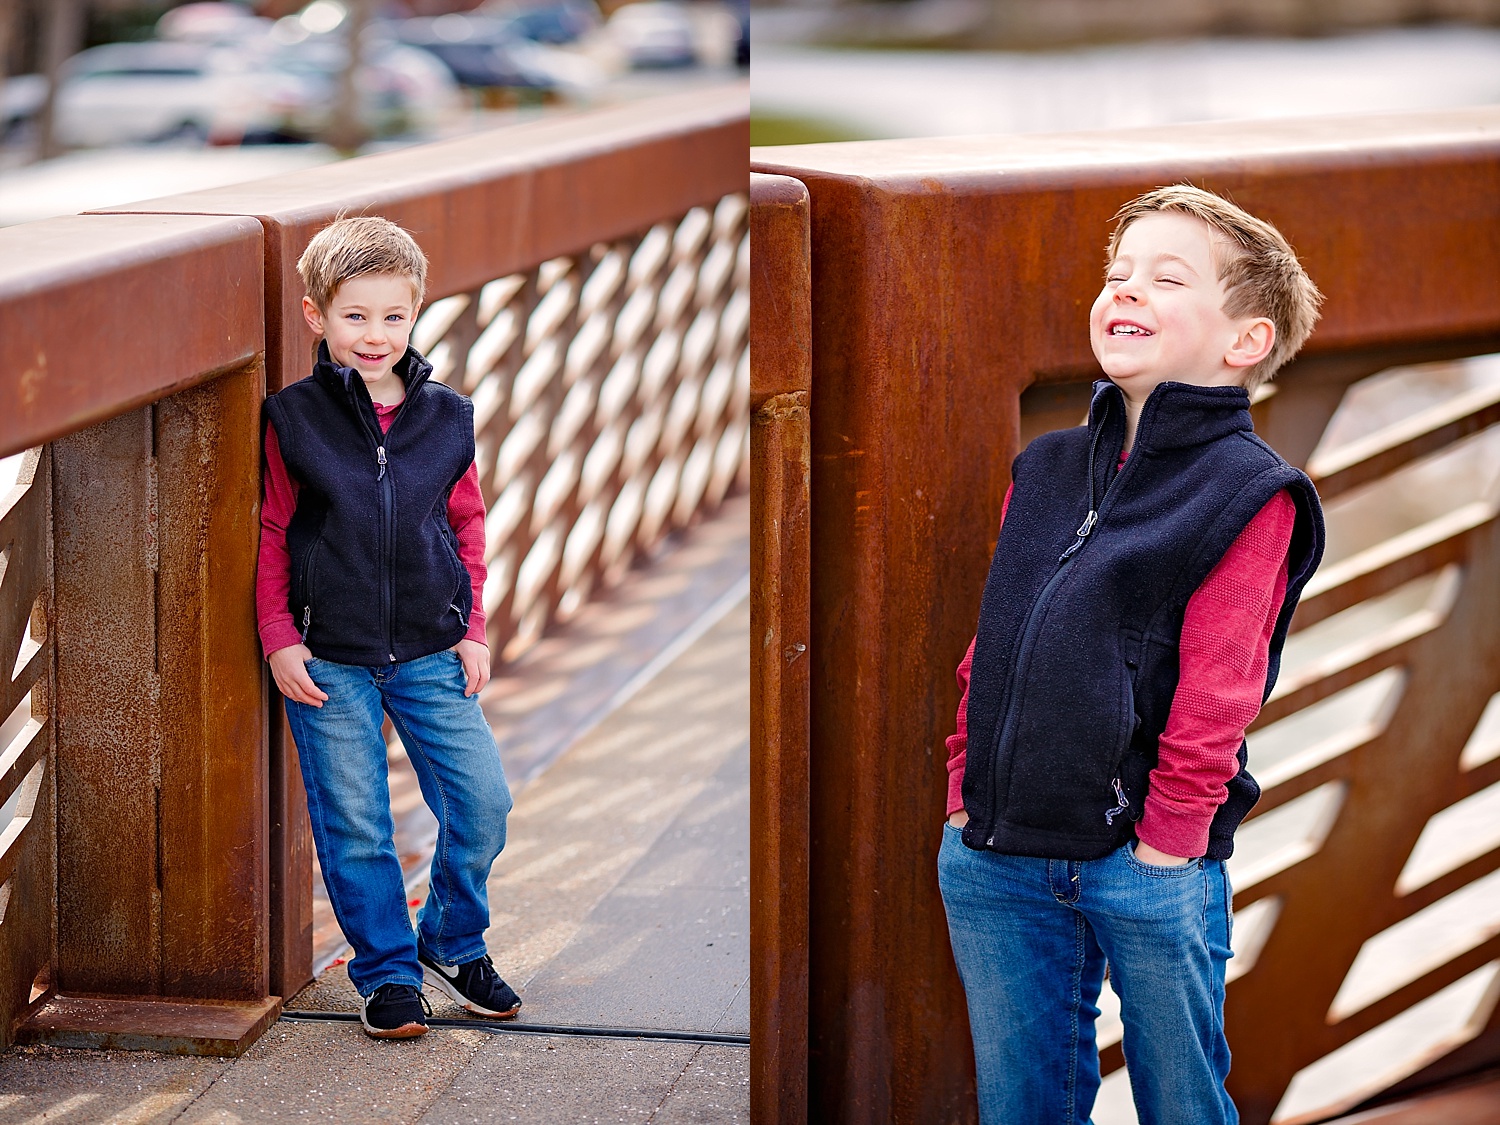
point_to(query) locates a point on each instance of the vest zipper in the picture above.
(1028, 634)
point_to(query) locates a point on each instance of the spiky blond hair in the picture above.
(353, 247)
(1258, 269)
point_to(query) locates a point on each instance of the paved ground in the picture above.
(621, 900)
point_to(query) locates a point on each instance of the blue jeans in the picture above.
(348, 799)
(1031, 937)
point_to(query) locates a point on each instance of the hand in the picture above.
(1149, 855)
(289, 667)
(960, 818)
(476, 658)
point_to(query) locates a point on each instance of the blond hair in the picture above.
(353, 247)
(1258, 269)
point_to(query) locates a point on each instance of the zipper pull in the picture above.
(1082, 533)
(1109, 817)
(380, 459)
(306, 621)
(460, 613)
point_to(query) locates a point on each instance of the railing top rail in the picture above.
(100, 315)
(1029, 160)
(496, 202)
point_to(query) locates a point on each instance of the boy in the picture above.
(369, 601)
(1132, 624)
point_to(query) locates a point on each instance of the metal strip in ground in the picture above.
(495, 1028)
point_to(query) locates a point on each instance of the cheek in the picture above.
(1096, 313)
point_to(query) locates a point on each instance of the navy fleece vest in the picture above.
(1076, 660)
(376, 577)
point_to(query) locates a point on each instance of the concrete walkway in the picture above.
(621, 900)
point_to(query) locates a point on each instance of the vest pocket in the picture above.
(1068, 760)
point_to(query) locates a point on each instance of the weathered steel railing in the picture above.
(950, 285)
(590, 289)
(781, 335)
(129, 543)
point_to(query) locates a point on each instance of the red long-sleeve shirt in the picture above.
(1223, 657)
(273, 573)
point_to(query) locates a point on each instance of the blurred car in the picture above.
(480, 51)
(562, 21)
(489, 52)
(653, 33)
(401, 89)
(124, 93)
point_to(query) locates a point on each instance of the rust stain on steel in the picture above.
(108, 737)
(935, 310)
(780, 375)
(82, 351)
(214, 834)
(493, 203)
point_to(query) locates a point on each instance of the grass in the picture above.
(767, 129)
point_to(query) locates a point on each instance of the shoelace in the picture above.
(382, 993)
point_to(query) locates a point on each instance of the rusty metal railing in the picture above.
(135, 713)
(781, 335)
(590, 284)
(951, 280)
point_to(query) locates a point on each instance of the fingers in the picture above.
(298, 685)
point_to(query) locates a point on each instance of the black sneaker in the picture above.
(395, 1011)
(474, 984)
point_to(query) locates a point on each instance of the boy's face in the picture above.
(367, 325)
(1160, 316)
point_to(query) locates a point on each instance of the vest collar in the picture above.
(1176, 416)
(346, 384)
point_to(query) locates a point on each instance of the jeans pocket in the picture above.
(1153, 871)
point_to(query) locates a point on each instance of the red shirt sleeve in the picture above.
(958, 742)
(273, 571)
(1226, 637)
(466, 518)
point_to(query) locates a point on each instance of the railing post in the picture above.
(781, 478)
(159, 702)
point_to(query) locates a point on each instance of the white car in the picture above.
(125, 93)
(653, 33)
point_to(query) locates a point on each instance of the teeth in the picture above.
(1127, 330)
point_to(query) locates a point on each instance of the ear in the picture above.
(314, 317)
(1252, 343)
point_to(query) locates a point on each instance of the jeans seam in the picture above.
(1078, 960)
(411, 742)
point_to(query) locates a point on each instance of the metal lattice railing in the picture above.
(611, 394)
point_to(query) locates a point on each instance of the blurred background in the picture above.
(866, 69)
(107, 101)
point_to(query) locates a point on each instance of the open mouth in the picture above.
(1126, 328)
(368, 358)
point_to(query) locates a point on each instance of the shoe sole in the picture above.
(405, 1031)
(445, 986)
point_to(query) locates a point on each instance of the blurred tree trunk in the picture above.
(62, 37)
(346, 132)
(7, 24)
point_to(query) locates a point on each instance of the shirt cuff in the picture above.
(956, 784)
(277, 635)
(1167, 828)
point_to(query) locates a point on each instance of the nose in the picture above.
(1127, 292)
